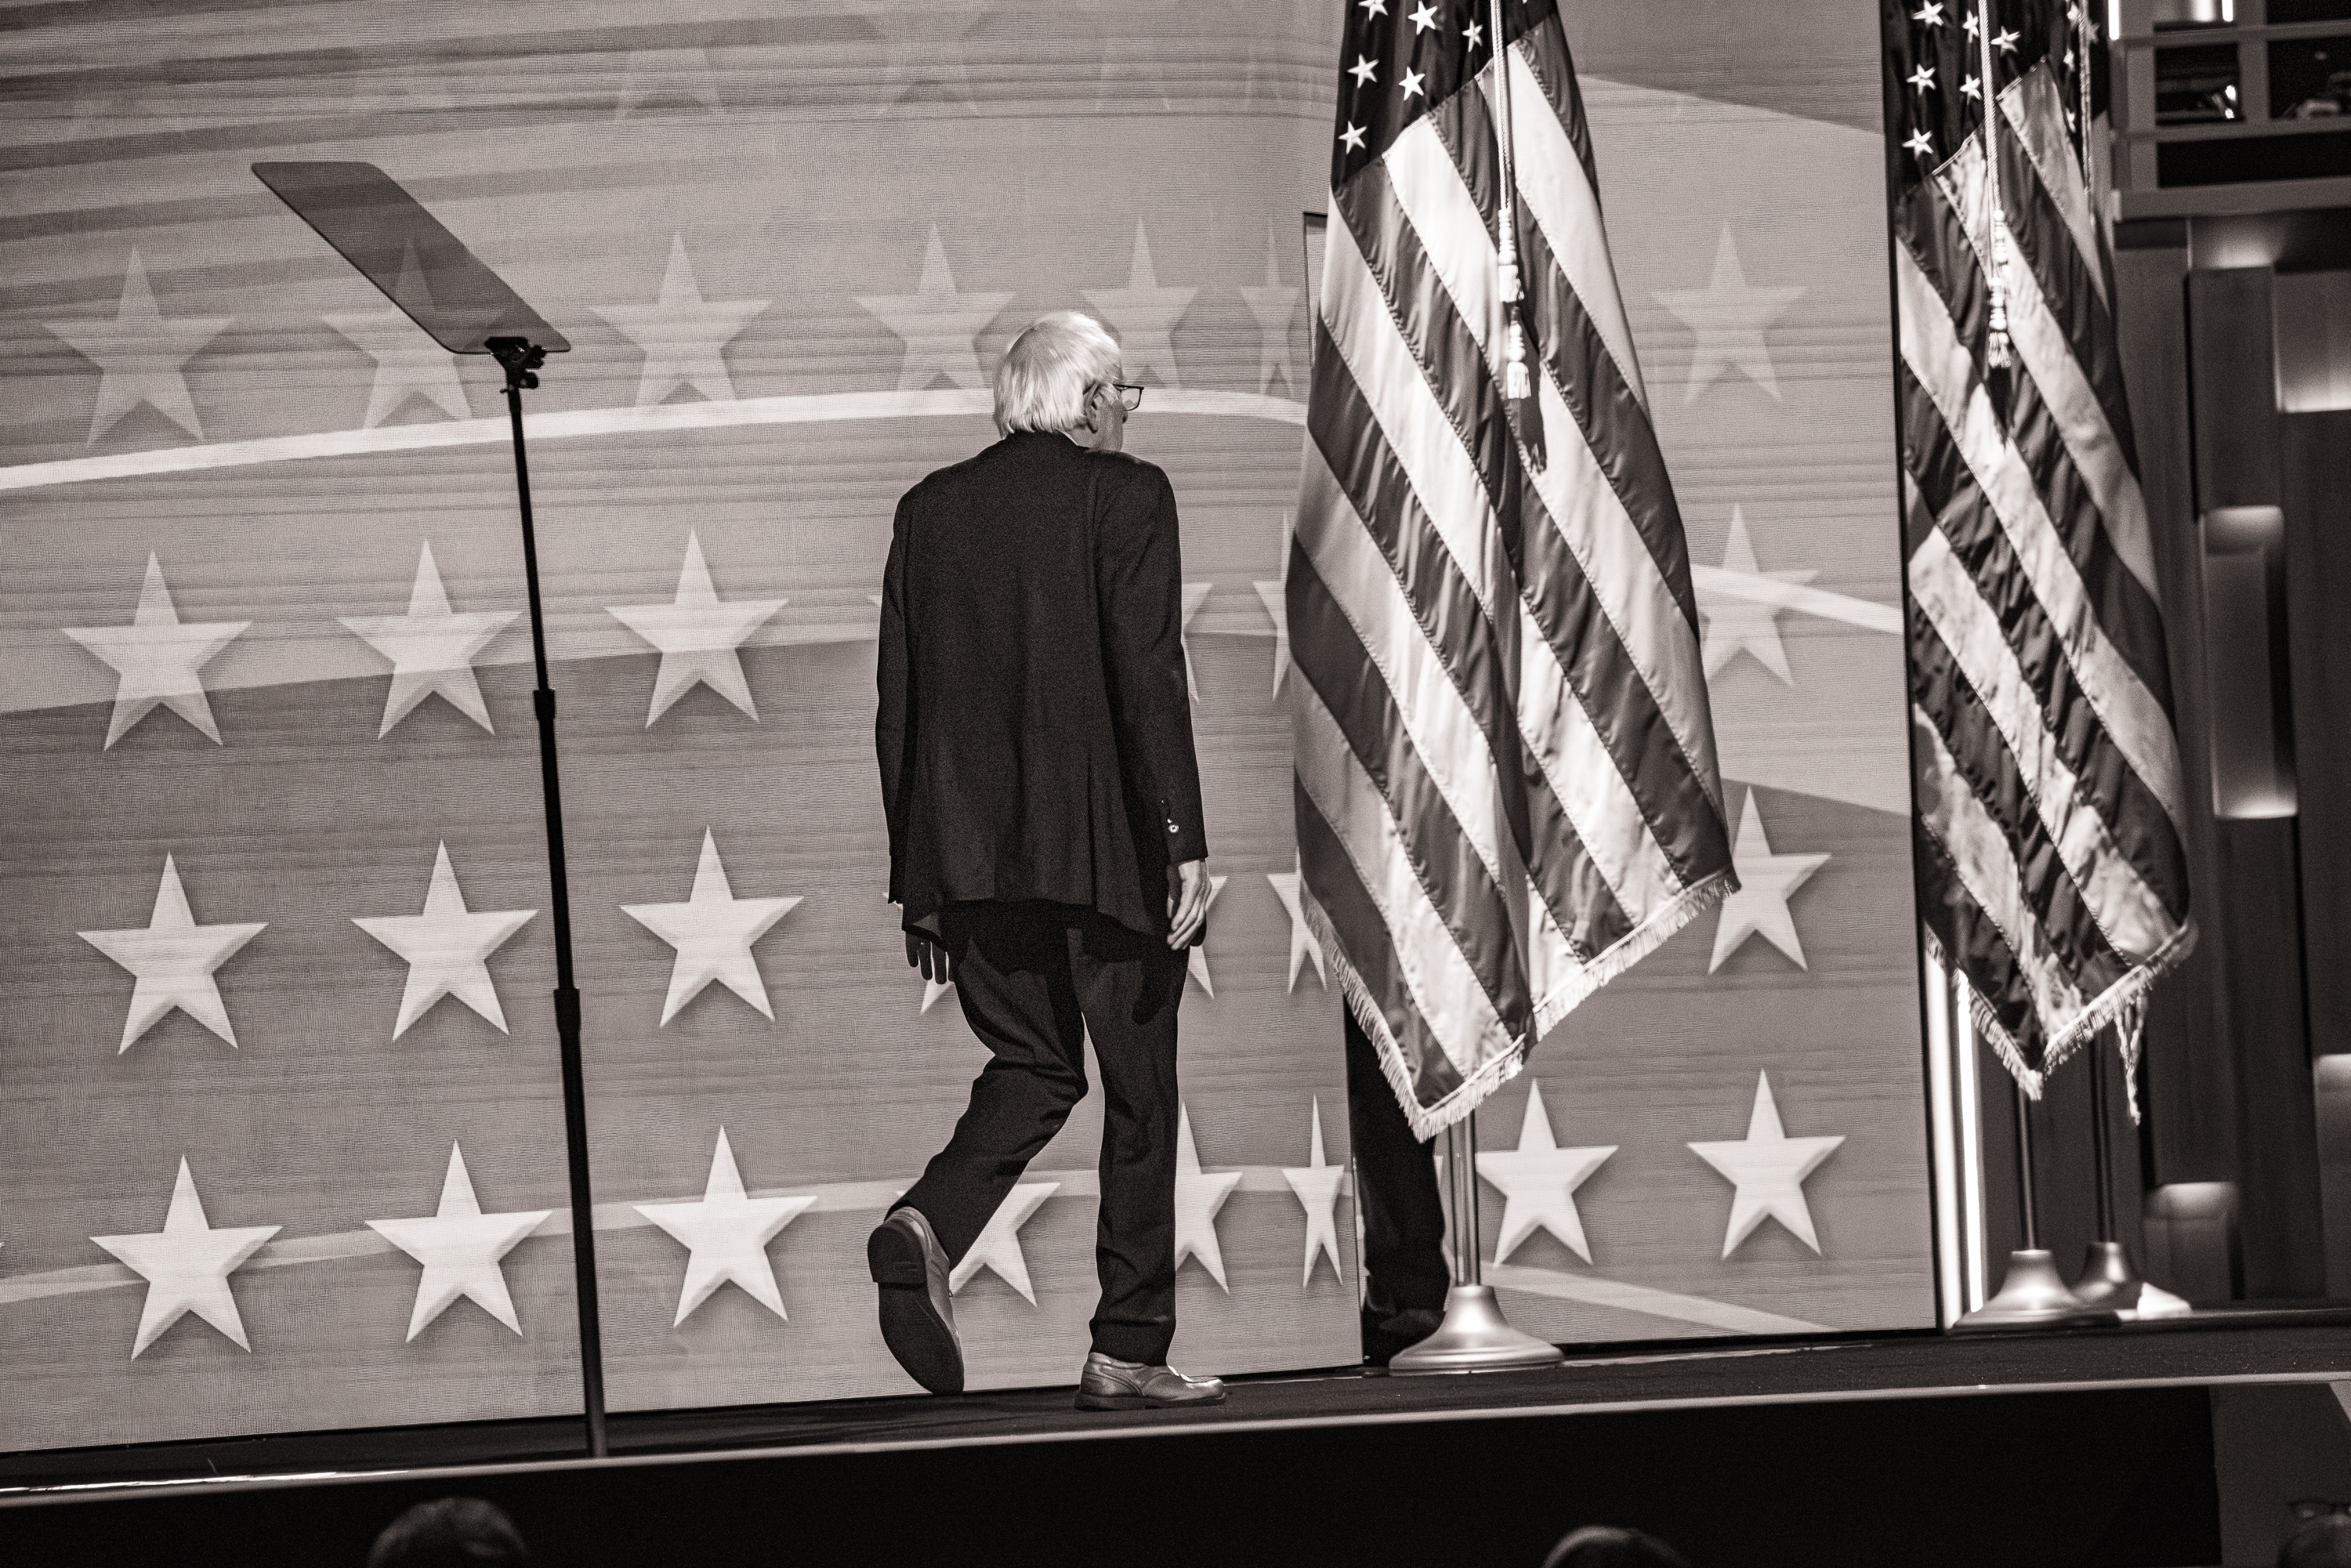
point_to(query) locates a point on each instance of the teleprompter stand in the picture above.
(467, 308)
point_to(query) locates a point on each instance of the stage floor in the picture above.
(2214, 1347)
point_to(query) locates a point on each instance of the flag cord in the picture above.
(2085, 34)
(1516, 382)
(1996, 350)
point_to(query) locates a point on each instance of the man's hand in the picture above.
(925, 953)
(1188, 901)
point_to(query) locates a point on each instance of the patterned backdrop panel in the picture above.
(280, 783)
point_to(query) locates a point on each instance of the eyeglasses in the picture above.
(1130, 396)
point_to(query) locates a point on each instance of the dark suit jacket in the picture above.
(1035, 733)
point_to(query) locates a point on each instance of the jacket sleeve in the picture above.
(895, 716)
(1139, 595)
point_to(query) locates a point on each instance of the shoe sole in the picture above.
(924, 1342)
(1139, 1402)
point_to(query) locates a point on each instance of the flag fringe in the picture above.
(1427, 1121)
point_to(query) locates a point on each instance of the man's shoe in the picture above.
(917, 1312)
(1108, 1384)
(1387, 1334)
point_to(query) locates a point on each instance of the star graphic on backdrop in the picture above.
(1196, 961)
(1729, 318)
(186, 1266)
(1766, 882)
(697, 633)
(1422, 18)
(1919, 142)
(447, 948)
(999, 1243)
(684, 336)
(1734, 624)
(1768, 1169)
(1144, 315)
(460, 1248)
(1923, 77)
(1538, 1181)
(1275, 306)
(934, 989)
(1200, 1197)
(940, 327)
(1412, 80)
(157, 657)
(140, 354)
(1196, 594)
(1303, 942)
(1316, 1185)
(726, 1236)
(1274, 596)
(667, 78)
(408, 363)
(1352, 139)
(713, 931)
(171, 959)
(431, 648)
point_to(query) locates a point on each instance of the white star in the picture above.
(408, 363)
(726, 1236)
(1316, 1186)
(447, 949)
(1919, 142)
(1364, 71)
(1196, 962)
(186, 1266)
(1275, 306)
(697, 634)
(1923, 77)
(1412, 80)
(1729, 319)
(158, 656)
(1970, 88)
(1476, 33)
(139, 354)
(1930, 14)
(1968, 20)
(1373, 7)
(1144, 315)
(1538, 1181)
(1424, 19)
(460, 1248)
(1196, 594)
(1303, 942)
(1352, 139)
(1766, 882)
(431, 648)
(997, 1246)
(939, 327)
(713, 931)
(2004, 41)
(684, 336)
(1768, 1169)
(1735, 625)
(1198, 1196)
(173, 958)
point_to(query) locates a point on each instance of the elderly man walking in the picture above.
(1046, 845)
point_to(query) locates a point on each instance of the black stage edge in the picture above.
(2084, 1447)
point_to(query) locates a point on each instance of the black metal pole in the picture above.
(2101, 1142)
(2025, 1193)
(522, 358)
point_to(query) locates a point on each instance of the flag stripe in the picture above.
(2033, 112)
(2129, 916)
(1944, 368)
(1365, 943)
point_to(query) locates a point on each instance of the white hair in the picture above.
(1042, 381)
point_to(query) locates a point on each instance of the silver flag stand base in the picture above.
(2032, 1296)
(1474, 1337)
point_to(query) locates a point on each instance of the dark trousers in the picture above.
(1404, 1217)
(1033, 980)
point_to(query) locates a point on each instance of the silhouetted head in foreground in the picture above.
(1606, 1546)
(450, 1532)
(2322, 1542)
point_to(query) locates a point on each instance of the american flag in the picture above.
(2048, 780)
(1507, 789)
